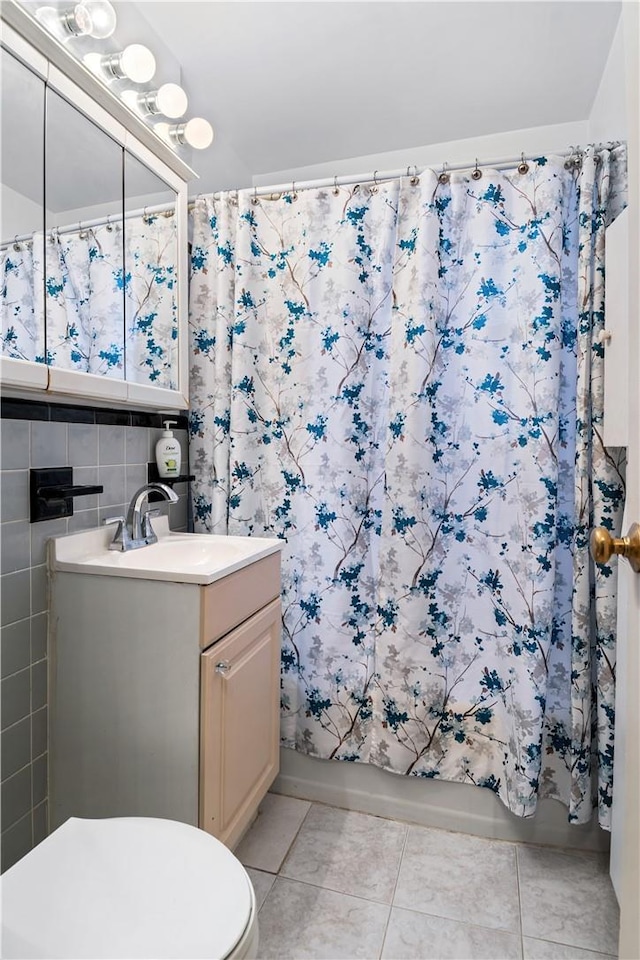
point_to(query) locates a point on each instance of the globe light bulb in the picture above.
(197, 133)
(130, 97)
(135, 63)
(93, 62)
(163, 131)
(74, 22)
(169, 100)
(103, 18)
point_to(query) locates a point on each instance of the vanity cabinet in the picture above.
(165, 697)
(240, 724)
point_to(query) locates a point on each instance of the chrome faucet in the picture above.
(136, 531)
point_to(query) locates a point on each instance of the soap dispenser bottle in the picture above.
(168, 453)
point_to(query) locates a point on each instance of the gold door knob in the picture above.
(603, 546)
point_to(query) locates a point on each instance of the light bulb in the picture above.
(103, 18)
(164, 132)
(135, 63)
(93, 62)
(197, 133)
(130, 97)
(169, 100)
(74, 22)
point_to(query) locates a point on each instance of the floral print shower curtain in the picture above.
(405, 384)
(83, 317)
(151, 301)
(21, 299)
(106, 300)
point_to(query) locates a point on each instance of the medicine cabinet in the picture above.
(93, 236)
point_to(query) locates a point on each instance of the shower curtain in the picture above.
(83, 318)
(91, 278)
(21, 300)
(404, 383)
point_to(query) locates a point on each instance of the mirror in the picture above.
(151, 260)
(93, 242)
(84, 282)
(22, 219)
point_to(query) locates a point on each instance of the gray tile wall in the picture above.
(115, 457)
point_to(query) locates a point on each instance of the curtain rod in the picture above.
(275, 191)
(572, 154)
(168, 209)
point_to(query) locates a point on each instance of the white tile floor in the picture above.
(337, 884)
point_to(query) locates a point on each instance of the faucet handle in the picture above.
(118, 541)
(147, 530)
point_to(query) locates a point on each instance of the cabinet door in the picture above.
(22, 351)
(240, 724)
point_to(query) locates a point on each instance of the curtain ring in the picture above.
(444, 176)
(374, 188)
(523, 166)
(254, 198)
(415, 179)
(336, 189)
(477, 173)
(108, 226)
(82, 234)
(574, 161)
(16, 245)
(294, 192)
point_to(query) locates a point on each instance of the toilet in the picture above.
(131, 887)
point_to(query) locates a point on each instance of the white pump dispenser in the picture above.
(168, 453)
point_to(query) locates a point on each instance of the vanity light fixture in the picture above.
(170, 100)
(197, 133)
(64, 24)
(135, 63)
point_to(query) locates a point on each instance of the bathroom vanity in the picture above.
(164, 675)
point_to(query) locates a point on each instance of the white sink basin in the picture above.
(179, 557)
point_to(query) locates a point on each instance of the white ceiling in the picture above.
(298, 83)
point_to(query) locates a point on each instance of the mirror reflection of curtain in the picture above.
(85, 300)
(151, 300)
(21, 300)
(89, 292)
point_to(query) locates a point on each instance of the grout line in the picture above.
(15, 674)
(295, 837)
(586, 950)
(339, 893)
(519, 901)
(15, 724)
(19, 820)
(395, 887)
(24, 767)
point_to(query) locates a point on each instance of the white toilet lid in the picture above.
(131, 887)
